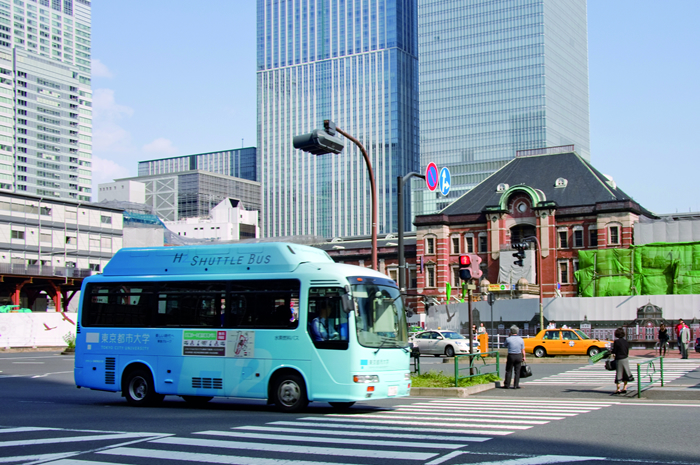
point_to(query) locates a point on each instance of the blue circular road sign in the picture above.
(431, 176)
(445, 181)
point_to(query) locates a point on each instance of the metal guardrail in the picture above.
(44, 270)
(650, 374)
(475, 367)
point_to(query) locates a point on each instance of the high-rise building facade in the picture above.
(239, 163)
(353, 62)
(46, 98)
(496, 77)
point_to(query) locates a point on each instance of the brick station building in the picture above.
(559, 198)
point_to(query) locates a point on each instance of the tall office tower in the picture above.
(45, 98)
(497, 77)
(353, 62)
(239, 163)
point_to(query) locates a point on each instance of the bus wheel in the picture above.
(341, 405)
(197, 400)
(289, 393)
(139, 390)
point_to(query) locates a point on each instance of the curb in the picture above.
(450, 392)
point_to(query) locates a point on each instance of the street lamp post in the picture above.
(319, 143)
(400, 181)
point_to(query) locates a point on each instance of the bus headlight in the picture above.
(365, 378)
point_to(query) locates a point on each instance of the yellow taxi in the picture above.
(564, 342)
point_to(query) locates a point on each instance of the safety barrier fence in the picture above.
(651, 374)
(475, 368)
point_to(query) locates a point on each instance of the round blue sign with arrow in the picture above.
(445, 181)
(431, 176)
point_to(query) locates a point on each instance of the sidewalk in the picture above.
(671, 353)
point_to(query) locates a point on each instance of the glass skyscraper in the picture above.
(45, 98)
(496, 77)
(239, 163)
(350, 61)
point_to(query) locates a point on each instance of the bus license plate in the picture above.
(393, 390)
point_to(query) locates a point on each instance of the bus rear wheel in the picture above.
(139, 390)
(197, 400)
(289, 393)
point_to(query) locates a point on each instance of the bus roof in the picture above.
(267, 257)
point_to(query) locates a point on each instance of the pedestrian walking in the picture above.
(482, 329)
(678, 327)
(516, 357)
(552, 325)
(663, 340)
(684, 340)
(621, 352)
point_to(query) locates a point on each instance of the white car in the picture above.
(439, 343)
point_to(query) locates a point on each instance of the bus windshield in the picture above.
(380, 316)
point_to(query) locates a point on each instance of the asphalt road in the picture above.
(45, 419)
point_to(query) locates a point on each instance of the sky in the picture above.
(177, 78)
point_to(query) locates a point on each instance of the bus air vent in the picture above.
(324, 282)
(77, 328)
(110, 364)
(207, 383)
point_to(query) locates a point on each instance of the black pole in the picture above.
(400, 180)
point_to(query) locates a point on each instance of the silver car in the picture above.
(439, 343)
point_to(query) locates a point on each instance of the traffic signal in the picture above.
(520, 254)
(469, 266)
(319, 142)
(465, 272)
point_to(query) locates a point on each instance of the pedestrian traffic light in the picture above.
(319, 142)
(465, 273)
(469, 266)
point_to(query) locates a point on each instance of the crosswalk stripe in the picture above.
(499, 401)
(477, 413)
(198, 458)
(433, 416)
(290, 449)
(100, 437)
(366, 442)
(453, 432)
(506, 409)
(374, 434)
(488, 429)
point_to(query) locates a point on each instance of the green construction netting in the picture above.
(651, 269)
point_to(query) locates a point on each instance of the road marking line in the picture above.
(25, 429)
(100, 437)
(453, 432)
(39, 457)
(374, 434)
(296, 449)
(277, 437)
(445, 458)
(433, 416)
(202, 458)
(452, 425)
(542, 460)
(476, 413)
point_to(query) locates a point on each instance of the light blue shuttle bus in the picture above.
(274, 321)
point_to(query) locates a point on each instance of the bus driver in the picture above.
(322, 328)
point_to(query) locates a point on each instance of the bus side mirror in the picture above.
(348, 301)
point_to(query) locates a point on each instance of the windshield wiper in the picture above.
(382, 344)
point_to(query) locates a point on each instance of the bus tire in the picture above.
(289, 393)
(139, 390)
(197, 400)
